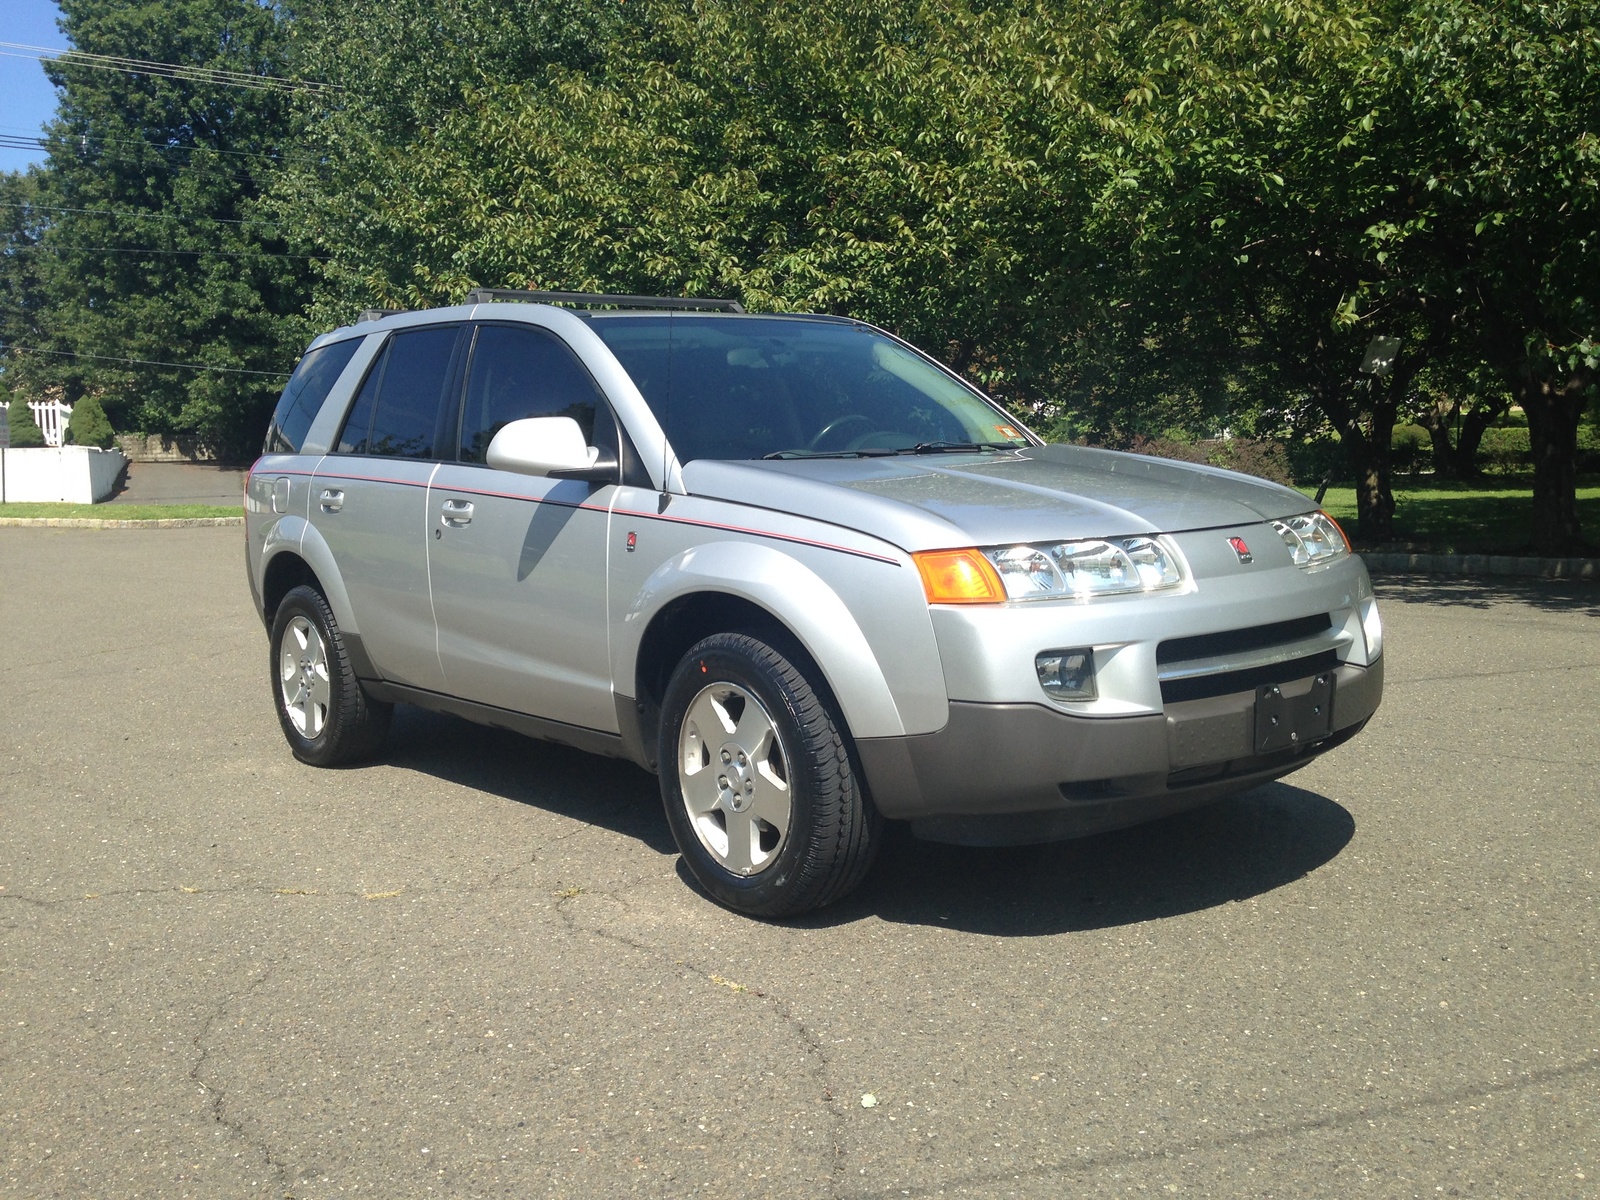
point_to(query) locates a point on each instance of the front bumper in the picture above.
(1004, 774)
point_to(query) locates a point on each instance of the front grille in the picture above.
(1237, 641)
(1240, 660)
(1225, 683)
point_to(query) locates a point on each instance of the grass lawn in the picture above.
(123, 512)
(1484, 517)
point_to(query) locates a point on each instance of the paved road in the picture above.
(182, 483)
(476, 969)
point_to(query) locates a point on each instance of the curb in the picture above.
(1586, 569)
(104, 523)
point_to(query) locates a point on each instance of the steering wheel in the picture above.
(837, 423)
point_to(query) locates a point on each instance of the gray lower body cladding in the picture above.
(1005, 774)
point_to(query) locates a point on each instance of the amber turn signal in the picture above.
(1340, 528)
(959, 577)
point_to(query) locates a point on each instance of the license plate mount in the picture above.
(1294, 714)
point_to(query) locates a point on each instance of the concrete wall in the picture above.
(158, 447)
(75, 474)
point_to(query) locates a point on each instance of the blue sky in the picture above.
(26, 98)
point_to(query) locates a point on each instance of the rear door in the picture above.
(518, 563)
(369, 498)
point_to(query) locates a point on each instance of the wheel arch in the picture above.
(301, 556)
(767, 594)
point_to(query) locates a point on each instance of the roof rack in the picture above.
(599, 300)
(377, 314)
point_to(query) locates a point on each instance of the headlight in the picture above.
(1313, 539)
(1083, 569)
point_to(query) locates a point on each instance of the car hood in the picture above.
(1045, 493)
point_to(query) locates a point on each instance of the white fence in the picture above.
(51, 416)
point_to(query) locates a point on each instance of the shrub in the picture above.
(1315, 459)
(1251, 456)
(89, 426)
(1505, 449)
(1409, 445)
(1260, 457)
(1165, 447)
(25, 431)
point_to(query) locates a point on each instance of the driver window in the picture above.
(522, 371)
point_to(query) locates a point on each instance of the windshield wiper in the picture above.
(943, 447)
(872, 452)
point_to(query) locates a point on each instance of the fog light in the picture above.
(1066, 674)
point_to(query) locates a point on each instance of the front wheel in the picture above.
(326, 716)
(757, 781)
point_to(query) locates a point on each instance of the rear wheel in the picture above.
(757, 781)
(326, 716)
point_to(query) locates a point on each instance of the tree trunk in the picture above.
(1368, 449)
(1473, 427)
(1554, 407)
(1459, 460)
(1444, 454)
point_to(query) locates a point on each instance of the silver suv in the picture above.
(803, 572)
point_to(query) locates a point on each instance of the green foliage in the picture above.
(1409, 445)
(1250, 456)
(24, 431)
(146, 242)
(1315, 459)
(1504, 450)
(1132, 220)
(88, 425)
(1466, 518)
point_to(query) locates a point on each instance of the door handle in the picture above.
(456, 512)
(332, 499)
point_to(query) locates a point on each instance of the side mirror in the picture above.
(550, 446)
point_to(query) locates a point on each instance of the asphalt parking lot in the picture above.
(477, 969)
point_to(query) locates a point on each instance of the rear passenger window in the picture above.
(520, 371)
(308, 387)
(401, 410)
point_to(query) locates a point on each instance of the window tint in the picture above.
(308, 387)
(748, 386)
(519, 371)
(401, 406)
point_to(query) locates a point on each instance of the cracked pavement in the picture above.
(476, 968)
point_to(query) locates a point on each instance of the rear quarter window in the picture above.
(308, 387)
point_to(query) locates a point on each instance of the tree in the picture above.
(152, 251)
(1510, 105)
(400, 71)
(88, 425)
(23, 429)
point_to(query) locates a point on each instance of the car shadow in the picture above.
(1220, 854)
(608, 792)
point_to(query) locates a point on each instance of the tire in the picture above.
(757, 781)
(327, 717)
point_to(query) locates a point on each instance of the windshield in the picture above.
(775, 387)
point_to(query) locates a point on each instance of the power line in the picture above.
(141, 212)
(20, 141)
(140, 66)
(114, 154)
(40, 246)
(148, 362)
(38, 137)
